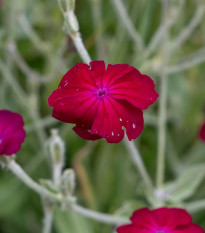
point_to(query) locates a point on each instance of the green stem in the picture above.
(137, 160)
(20, 173)
(163, 100)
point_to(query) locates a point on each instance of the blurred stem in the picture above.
(163, 100)
(137, 160)
(42, 123)
(156, 38)
(188, 30)
(124, 17)
(97, 20)
(105, 218)
(196, 206)
(10, 163)
(20, 94)
(188, 62)
(82, 174)
(32, 74)
(16, 169)
(47, 221)
(33, 36)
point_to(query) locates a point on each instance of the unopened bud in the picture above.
(56, 148)
(67, 185)
(56, 154)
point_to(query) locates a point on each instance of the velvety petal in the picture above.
(136, 88)
(74, 107)
(114, 72)
(112, 115)
(10, 121)
(78, 77)
(144, 218)
(202, 132)
(85, 133)
(192, 228)
(131, 118)
(107, 123)
(171, 217)
(13, 143)
(132, 229)
(12, 133)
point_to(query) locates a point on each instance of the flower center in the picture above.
(102, 92)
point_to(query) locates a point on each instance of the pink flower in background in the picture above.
(12, 133)
(202, 132)
(162, 220)
(100, 100)
(0, 3)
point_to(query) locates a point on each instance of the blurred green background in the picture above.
(34, 54)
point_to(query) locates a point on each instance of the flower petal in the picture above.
(130, 117)
(10, 121)
(171, 217)
(107, 123)
(73, 106)
(78, 77)
(192, 228)
(202, 132)
(132, 229)
(85, 133)
(98, 67)
(12, 143)
(144, 218)
(136, 88)
(114, 72)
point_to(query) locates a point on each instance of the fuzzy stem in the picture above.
(47, 221)
(101, 217)
(163, 101)
(105, 218)
(196, 206)
(136, 159)
(20, 173)
(78, 42)
(188, 30)
(124, 17)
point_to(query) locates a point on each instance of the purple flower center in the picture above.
(102, 92)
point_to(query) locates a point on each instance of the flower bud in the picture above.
(67, 185)
(56, 154)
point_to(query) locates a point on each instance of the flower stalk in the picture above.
(72, 27)
(137, 160)
(163, 100)
(58, 197)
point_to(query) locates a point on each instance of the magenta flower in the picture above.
(162, 220)
(202, 132)
(12, 133)
(101, 101)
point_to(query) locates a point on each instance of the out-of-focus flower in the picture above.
(0, 3)
(162, 220)
(101, 101)
(12, 133)
(202, 132)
